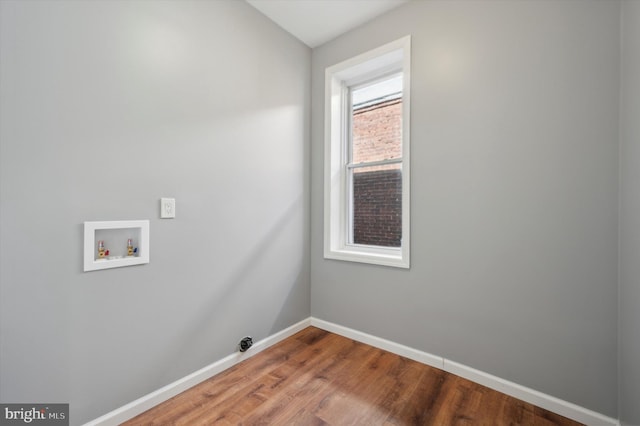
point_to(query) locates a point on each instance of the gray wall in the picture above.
(630, 216)
(106, 107)
(514, 137)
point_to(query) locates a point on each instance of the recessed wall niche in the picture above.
(114, 244)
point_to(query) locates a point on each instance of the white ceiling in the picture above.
(315, 22)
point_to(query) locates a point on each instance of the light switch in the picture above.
(167, 208)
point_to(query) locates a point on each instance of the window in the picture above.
(367, 157)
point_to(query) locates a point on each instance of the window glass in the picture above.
(377, 121)
(377, 205)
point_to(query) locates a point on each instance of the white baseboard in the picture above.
(548, 402)
(396, 348)
(148, 401)
(523, 393)
(553, 404)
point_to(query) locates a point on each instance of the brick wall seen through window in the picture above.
(377, 190)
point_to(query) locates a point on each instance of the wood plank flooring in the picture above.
(319, 378)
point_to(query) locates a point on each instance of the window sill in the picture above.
(371, 255)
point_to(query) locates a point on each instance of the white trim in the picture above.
(387, 345)
(392, 57)
(152, 399)
(548, 402)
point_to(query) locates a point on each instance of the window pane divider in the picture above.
(374, 163)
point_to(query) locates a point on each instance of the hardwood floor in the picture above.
(319, 378)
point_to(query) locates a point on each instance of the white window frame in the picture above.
(391, 58)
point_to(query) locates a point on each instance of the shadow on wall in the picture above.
(296, 292)
(246, 290)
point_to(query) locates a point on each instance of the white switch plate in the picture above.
(167, 208)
